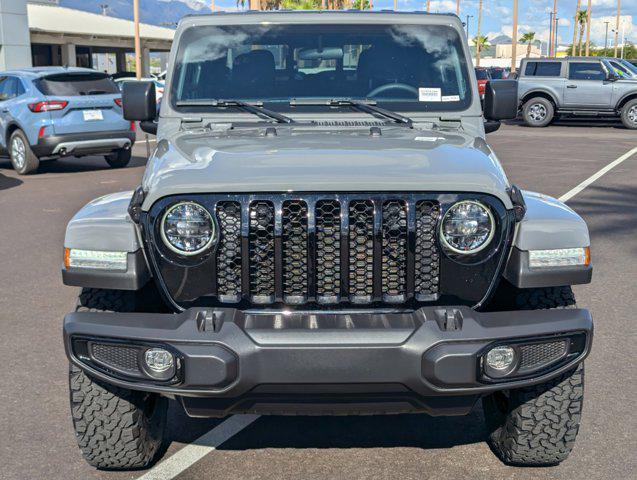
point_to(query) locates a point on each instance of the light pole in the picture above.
(606, 38)
(514, 37)
(467, 24)
(556, 43)
(617, 27)
(550, 52)
(553, 27)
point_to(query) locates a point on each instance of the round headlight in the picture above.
(187, 228)
(467, 227)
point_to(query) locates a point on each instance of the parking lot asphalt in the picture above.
(36, 438)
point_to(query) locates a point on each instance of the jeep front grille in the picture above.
(327, 249)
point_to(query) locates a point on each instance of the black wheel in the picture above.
(538, 112)
(115, 428)
(536, 426)
(629, 114)
(119, 159)
(22, 157)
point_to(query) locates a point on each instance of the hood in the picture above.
(295, 159)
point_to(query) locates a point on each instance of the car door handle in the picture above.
(571, 86)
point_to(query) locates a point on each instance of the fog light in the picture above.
(500, 361)
(159, 361)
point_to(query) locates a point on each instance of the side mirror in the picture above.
(139, 101)
(501, 100)
(612, 76)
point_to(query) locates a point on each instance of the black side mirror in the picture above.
(139, 101)
(501, 100)
(612, 77)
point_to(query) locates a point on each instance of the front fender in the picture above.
(104, 225)
(547, 225)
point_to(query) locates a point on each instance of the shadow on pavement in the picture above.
(575, 122)
(9, 182)
(74, 164)
(381, 431)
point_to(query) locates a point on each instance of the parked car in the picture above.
(633, 61)
(312, 241)
(498, 73)
(482, 76)
(622, 67)
(574, 86)
(159, 86)
(53, 112)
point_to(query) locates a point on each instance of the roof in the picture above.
(42, 71)
(54, 19)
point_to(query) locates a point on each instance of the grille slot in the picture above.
(361, 251)
(294, 224)
(117, 357)
(229, 252)
(261, 244)
(427, 255)
(327, 249)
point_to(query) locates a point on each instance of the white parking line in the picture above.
(570, 194)
(198, 449)
(192, 453)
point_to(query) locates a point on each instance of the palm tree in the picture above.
(588, 28)
(478, 45)
(579, 4)
(528, 38)
(481, 42)
(581, 20)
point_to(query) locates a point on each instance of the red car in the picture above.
(483, 76)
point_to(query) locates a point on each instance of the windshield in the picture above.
(403, 67)
(629, 66)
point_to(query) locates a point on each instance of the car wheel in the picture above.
(538, 112)
(22, 157)
(119, 159)
(629, 115)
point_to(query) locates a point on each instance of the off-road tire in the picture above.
(629, 114)
(532, 109)
(27, 162)
(537, 425)
(119, 159)
(116, 428)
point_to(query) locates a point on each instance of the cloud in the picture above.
(443, 6)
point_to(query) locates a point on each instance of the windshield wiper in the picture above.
(361, 105)
(248, 107)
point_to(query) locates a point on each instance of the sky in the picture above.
(533, 15)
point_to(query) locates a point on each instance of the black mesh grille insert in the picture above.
(537, 355)
(229, 251)
(394, 238)
(427, 256)
(328, 250)
(361, 250)
(117, 357)
(261, 241)
(294, 224)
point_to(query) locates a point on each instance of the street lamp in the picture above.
(606, 38)
(467, 24)
(557, 26)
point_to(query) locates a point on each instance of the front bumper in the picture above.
(230, 361)
(88, 143)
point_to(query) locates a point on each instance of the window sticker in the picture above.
(451, 98)
(429, 94)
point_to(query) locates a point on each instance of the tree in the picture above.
(579, 3)
(481, 42)
(528, 38)
(581, 20)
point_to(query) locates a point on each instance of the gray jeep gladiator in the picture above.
(323, 229)
(586, 87)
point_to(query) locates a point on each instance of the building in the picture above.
(505, 50)
(43, 33)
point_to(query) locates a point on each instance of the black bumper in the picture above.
(229, 361)
(89, 143)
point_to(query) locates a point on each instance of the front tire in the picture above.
(537, 425)
(629, 115)
(22, 157)
(119, 159)
(116, 428)
(538, 112)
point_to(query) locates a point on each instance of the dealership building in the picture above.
(41, 33)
